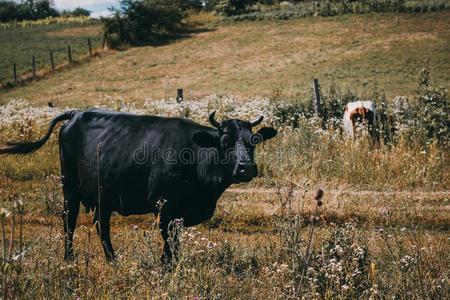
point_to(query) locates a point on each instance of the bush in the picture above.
(328, 8)
(191, 4)
(233, 7)
(140, 21)
(77, 12)
(427, 119)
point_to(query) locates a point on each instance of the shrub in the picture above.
(191, 4)
(140, 21)
(77, 12)
(327, 8)
(426, 119)
(233, 7)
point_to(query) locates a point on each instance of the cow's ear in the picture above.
(206, 139)
(267, 133)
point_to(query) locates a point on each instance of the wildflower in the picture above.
(4, 213)
(385, 212)
(178, 222)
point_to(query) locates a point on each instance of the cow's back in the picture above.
(115, 153)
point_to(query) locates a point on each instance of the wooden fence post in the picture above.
(15, 72)
(52, 61)
(69, 54)
(179, 95)
(104, 41)
(90, 47)
(316, 91)
(33, 65)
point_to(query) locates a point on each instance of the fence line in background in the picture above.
(15, 72)
(34, 70)
(33, 66)
(69, 54)
(52, 61)
(90, 47)
(316, 97)
(180, 97)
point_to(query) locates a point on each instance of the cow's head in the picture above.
(236, 144)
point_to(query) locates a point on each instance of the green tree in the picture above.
(139, 21)
(27, 10)
(80, 12)
(43, 9)
(8, 11)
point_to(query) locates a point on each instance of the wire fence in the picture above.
(49, 61)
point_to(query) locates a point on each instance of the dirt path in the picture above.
(344, 192)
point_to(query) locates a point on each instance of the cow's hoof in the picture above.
(69, 257)
(167, 263)
(111, 259)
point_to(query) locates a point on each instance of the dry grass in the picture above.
(235, 257)
(254, 58)
(364, 244)
(78, 31)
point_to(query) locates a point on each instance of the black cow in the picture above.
(127, 163)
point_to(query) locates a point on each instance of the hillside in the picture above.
(254, 58)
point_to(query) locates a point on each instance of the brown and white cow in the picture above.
(360, 113)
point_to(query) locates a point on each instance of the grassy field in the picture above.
(381, 230)
(364, 52)
(19, 44)
(365, 246)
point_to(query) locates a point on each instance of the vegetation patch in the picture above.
(328, 8)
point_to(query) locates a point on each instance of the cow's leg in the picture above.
(71, 200)
(70, 214)
(101, 222)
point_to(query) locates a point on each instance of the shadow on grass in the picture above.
(166, 39)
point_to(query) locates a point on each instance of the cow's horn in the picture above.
(257, 121)
(212, 120)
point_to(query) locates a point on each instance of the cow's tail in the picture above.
(29, 147)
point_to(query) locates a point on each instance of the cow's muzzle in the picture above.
(245, 172)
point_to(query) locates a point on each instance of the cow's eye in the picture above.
(226, 141)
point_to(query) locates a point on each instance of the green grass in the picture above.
(19, 44)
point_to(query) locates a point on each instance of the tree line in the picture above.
(34, 10)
